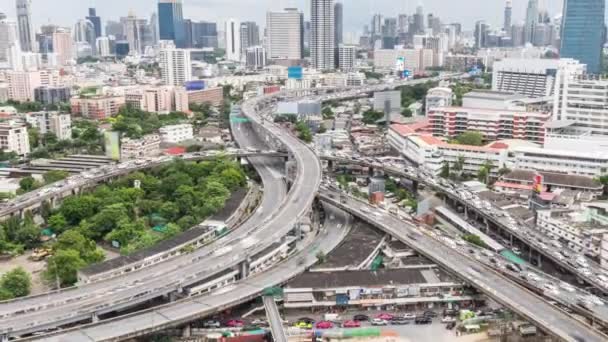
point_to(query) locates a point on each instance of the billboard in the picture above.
(538, 183)
(195, 85)
(295, 72)
(112, 143)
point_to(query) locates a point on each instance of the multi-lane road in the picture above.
(494, 285)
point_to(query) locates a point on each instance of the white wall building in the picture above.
(438, 97)
(175, 134)
(147, 146)
(103, 46)
(14, 137)
(233, 40)
(414, 60)
(583, 102)
(175, 66)
(10, 48)
(22, 84)
(534, 77)
(57, 123)
(591, 164)
(347, 55)
(322, 38)
(255, 57)
(284, 34)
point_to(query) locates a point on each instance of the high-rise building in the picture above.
(507, 20)
(22, 84)
(84, 31)
(285, 34)
(255, 57)
(134, 32)
(154, 28)
(233, 40)
(531, 21)
(10, 48)
(403, 23)
(250, 35)
(581, 104)
(171, 22)
(93, 18)
(517, 35)
(583, 32)
(102, 46)
(481, 34)
(175, 66)
(116, 29)
(204, 34)
(346, 57)
(419, 21)
(63, 45)
(24, 21)
(322, 37)
(376, 25)
(338, 24)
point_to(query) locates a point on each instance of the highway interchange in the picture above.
(279, 220)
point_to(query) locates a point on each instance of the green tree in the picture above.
(29, 233)
(86, 248)
(34, 137)
(55, 176)
(126, 232)
(304, 132)
(77, 208)
(445, 170)
(327, 113)
(470, 138)
(16, 282)
(233, 178)
(63, 267)
(371, 116)
(186, 222)
(172, 182)
(406, 112)
(474, 239)
(27, 183)
(58, 223)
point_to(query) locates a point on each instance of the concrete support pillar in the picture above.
(94, 317)
(53, 202)
(172, 297)
(22, 214)
(540, 260)
(415, 187)
(244, 269)
(4, 338)
(187, 331)
(485, 220)
(466, 212)
(511, 239)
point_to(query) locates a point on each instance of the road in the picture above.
(483, 278)
(274, 319)
(187, 310)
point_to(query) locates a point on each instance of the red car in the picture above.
(235, 323)
(385, 316)
(324, 325)
(351, 324)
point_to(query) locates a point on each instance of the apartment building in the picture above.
(147, 146)
(153, 99)
(97, 107)
(22, 85)
(583, 102)
(14, 137)
(57, 123)
(175, 134)
(449, 122)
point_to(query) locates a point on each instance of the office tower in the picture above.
(233, 40)
(9, 42)
(285, 34)
(377, 25)
(531, 20)
(175, 66)
(517, 35)
(307, 33)
(419, 21)
(338, 24)
(204, 34)
(583, 32)
(322, 37)
(171, 22)
(116, 29)
(62, 45)
(390, 27)
(84, 31)
(507, 21)
(154, 28)
(24, 21)
(250, 35)
(102, 46)
(255, 57)
(403, 24)
(542, 34)
(134, 33)
(481, 34)
(347, 55)
(92, 17)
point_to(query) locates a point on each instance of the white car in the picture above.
(448, 319)
(378, 321)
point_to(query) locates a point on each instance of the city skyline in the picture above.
(357, 12)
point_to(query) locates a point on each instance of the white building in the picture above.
(255, 57)
(175, 134)
(57, 123)
(10, 48)
(347, 54)
(593, 163)
(387, 100)
(583, 102)
(233, 40)
(14, 137)
(147, 146)
(22, 85)
(534, 77)
(26, 30)
(322, 37)
(103, 46)
(175, 66)
(151, 99)
(284, 34)
(414, 60)
(438, 97)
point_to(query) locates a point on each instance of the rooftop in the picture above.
(554, 179)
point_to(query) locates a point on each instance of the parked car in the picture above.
(235, 323)
(351, 324)
(450, 326)
(411, 316)
(360, 318)
(259, 322)
(399, 320)
(378, 321)
(324, 325)
(423, 320)
(429, 313)
(305, 319)
(303, 325)
(448, 319)
(385, 316)
(212, 324)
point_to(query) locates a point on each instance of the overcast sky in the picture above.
(356, 12)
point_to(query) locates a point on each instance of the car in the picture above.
(450, 326)
(379, 321)
(351, 324)
(324, 325)
(235, 323)
(448, 319)
(429, 313)
(212, 324)
(303, 325)
(399, 320)
(385, 316)
(423, 320)
(259, 322)
(410, 316)
(360, 318)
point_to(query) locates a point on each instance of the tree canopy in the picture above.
(15, 283)
(470, 138)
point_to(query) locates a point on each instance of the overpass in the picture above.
(427, 180)
(274, 319)
(491, 283)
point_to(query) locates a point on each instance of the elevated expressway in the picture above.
(494, 285)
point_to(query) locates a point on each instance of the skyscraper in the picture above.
(154, 28)
(531, 20)
(322, 38)
(285, 34)
(10, 49)
(233, 40)
(84, 31)
(63, 45)
(204, 34)
(583, 32)
(92, 17)
(175, 66)
(250, 35)
(24, 21)
(481, 34)
(507, 21)
(419, 21)
(338, 24)
(171, 22)
(134, 34)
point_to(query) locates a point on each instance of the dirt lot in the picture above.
(35, 268)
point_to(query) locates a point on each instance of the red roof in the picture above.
(547, 196)
(514, 186)
(407, 129)
(176, 151)
(499, 145)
